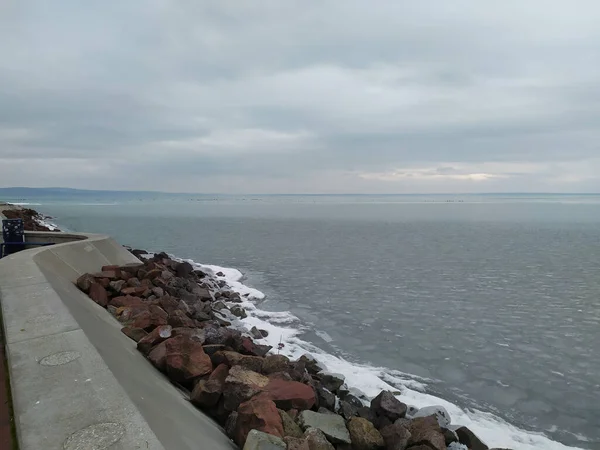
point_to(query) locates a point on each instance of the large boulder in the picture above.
(183, 269)
(290, 428)
(388, 406)
(290, 394)
(395, 436)
(331, 381)
(275, 363)
(206, 395)
(179, 319)
(310, 363)
(326, 398)
(158, 357)
(248, 347)
(317, 440)
(253, 363)
(332, 425)
(364, 435)
(347, 410)
(257, 440)
(84, 282)
(241, 385)
(441, 414)
(426, 431)
(186, 359)
(470, 439)
(258, 413)
(98, 293)
(155, 337)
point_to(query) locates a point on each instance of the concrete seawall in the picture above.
(77, 381)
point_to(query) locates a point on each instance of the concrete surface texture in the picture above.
(77, 381)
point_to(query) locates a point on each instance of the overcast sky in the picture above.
(307, 96)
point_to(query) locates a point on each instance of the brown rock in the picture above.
(253, 363)
(275, 363)
(152, 274)
(290, 428)
(470, 439)
(179, 319)
(387, 405)
(133, 291)
(291, 394)
(99, 294)
(84, 282)
(112, 267)
(210, 350)
(158, 357)
(195, 333)
(449, 436)
(293, 443)
(426, 431)
(206, 395)
(110, 274)
(134, 333)
(364, 435)
(148, 320)
(104, 282)
(155, 337)
(258, 413)
(241, 385)
(183, 269)
(159, 292)
(396, 436)
(134, 282)
(317, 440)
(127, 300)
(293, 413)
(186, 359)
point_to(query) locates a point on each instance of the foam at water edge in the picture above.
(493, 430)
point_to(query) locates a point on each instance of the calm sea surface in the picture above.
(496, 299)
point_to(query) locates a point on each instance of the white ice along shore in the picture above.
(494, 431)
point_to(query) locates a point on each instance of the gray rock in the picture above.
(290, 428)
(238, 311)
(440, 413)
(388, 406)
(218, 306)
(257, 440)
(449, 435)
(470, 439)
(411, 411)
(255, 333)
(325, 411)
(326, 398)
(332, 381)
(396, 436)
(332, 425)
(457, 446)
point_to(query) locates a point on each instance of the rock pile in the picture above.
(181, 321)
(31, 218)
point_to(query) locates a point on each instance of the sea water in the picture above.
(487, 305)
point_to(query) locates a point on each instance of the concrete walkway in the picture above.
(77, 381)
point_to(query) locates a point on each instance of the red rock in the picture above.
(241, 385)
(248, 347)
(186, 359)
(110, 274)
(290, 394)
(98, 294)
(258, 413)
(168, 303)
(134, 333)
(133, 291)
(158, 357)
(206, 395)
(293, 443)
(147, 283)
(112, 268)
(395, 436)
(126, 300)
(179, 319)
(158, 335)
(145, 317)
(84, 282)
(105, 282)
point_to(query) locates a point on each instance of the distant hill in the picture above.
(27, 192)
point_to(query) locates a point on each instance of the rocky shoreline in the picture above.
(32, 220)
(181, 320)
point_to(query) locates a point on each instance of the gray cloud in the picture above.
(298, 96)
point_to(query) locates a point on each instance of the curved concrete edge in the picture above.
(75, 378)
